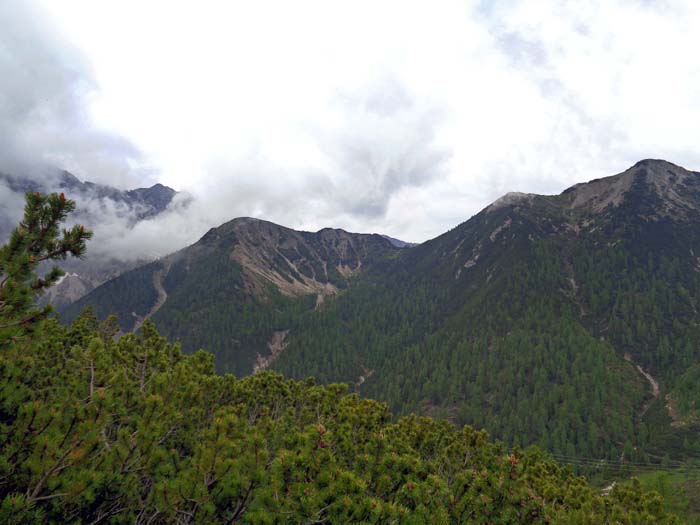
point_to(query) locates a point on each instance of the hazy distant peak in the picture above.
(67, 178)
(398, 243)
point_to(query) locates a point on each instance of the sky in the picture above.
(398, 117)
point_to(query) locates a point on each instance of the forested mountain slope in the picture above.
(131, 431)
(541, 318)
(96, 428)
(239, 285)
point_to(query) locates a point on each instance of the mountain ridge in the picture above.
(249, 264)
(152, 200)
(295, 262)
(596, 194)
(93, 201)
(542, 305)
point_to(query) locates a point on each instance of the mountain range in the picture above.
(94, 203)
(569, 320)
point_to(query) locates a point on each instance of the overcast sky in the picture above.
(402, 117)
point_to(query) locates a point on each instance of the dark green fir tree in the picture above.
(36, 240)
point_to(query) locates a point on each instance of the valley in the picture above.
(383, 263)
(564, 321)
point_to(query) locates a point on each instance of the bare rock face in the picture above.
(651, 189)
(512, 198)
(296, 263)
(599, 194)
(70, 288)
(276, 345)
(619, 207)
(673, 190)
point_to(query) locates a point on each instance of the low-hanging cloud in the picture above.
(383, 141)
(314, 119)
(367, 145)
(44, 121)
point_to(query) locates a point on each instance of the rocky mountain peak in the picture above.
(671, 189)
(512, 198)
(295, 262)
(653, 188)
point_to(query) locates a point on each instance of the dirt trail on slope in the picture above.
(607, 490)
(162, 297)
(366, 374)
(655, 390)
(277, 343)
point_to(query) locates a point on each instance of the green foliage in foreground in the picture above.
(95, 429)
(98, 430)
(37, 239)
(679, 489)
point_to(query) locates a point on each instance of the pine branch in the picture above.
(57, 464)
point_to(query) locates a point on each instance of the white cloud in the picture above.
(46, 84)
(402, 117)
